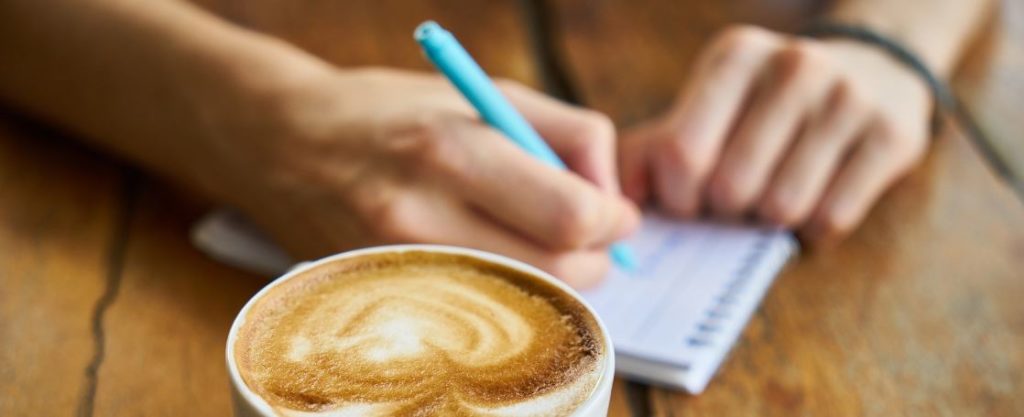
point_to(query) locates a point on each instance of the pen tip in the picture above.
(623, 258)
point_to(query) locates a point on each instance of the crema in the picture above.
(419, 333)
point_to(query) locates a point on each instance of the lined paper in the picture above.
(693, 292)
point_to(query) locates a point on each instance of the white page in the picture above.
(685, 270)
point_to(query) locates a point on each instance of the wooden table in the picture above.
(105, 309)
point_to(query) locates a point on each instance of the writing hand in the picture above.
(375, 156)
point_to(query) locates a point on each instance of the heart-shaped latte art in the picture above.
(430, 334)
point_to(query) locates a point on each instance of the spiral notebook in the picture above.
(672, 321)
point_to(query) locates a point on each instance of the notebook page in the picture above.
(690, 286)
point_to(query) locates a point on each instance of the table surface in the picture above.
(105, 308)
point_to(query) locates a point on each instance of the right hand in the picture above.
(375, 156)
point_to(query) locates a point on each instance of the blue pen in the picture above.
(455, 63)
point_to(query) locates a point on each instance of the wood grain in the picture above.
(379, 32)
(917, 314)
(165, 330)
(58, 207)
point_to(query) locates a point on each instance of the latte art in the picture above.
(419, 333)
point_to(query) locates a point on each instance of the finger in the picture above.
(874, 165)
(550, 206)
(424, 216)
(800, 179)
(705, 113)
(580, 269)
(584, 139)
(794, 86)
(634, 162)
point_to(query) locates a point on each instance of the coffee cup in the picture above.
(403, 329)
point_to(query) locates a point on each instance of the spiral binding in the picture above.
(716, 316)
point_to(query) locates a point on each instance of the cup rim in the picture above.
(263, 407)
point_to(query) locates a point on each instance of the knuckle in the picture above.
(729, 193)
(600, 127)
(742, 36)
(737, 43)
(393, 220)
(733, 190)
(803, 58)
(423, 131)
(685, 160)
(787, 217)
(577, 269)
(561, 267)
(781, 212)
(429, 146)
(595, 132)
(575, 221)
(905, 149)
(808, 50)
(834, 224)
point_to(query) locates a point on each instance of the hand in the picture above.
(803, 133)
(369, 157)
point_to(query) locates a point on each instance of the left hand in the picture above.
(804, 133)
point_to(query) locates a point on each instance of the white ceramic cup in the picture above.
(248, 404)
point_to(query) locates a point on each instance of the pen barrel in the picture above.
(466, 75)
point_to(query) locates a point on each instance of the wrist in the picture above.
(242, 100)
(250, 70)
(919, 39)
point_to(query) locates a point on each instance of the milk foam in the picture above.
(419, 333)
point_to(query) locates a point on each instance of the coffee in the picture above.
(419, 333)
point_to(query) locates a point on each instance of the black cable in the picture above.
(945, 101)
